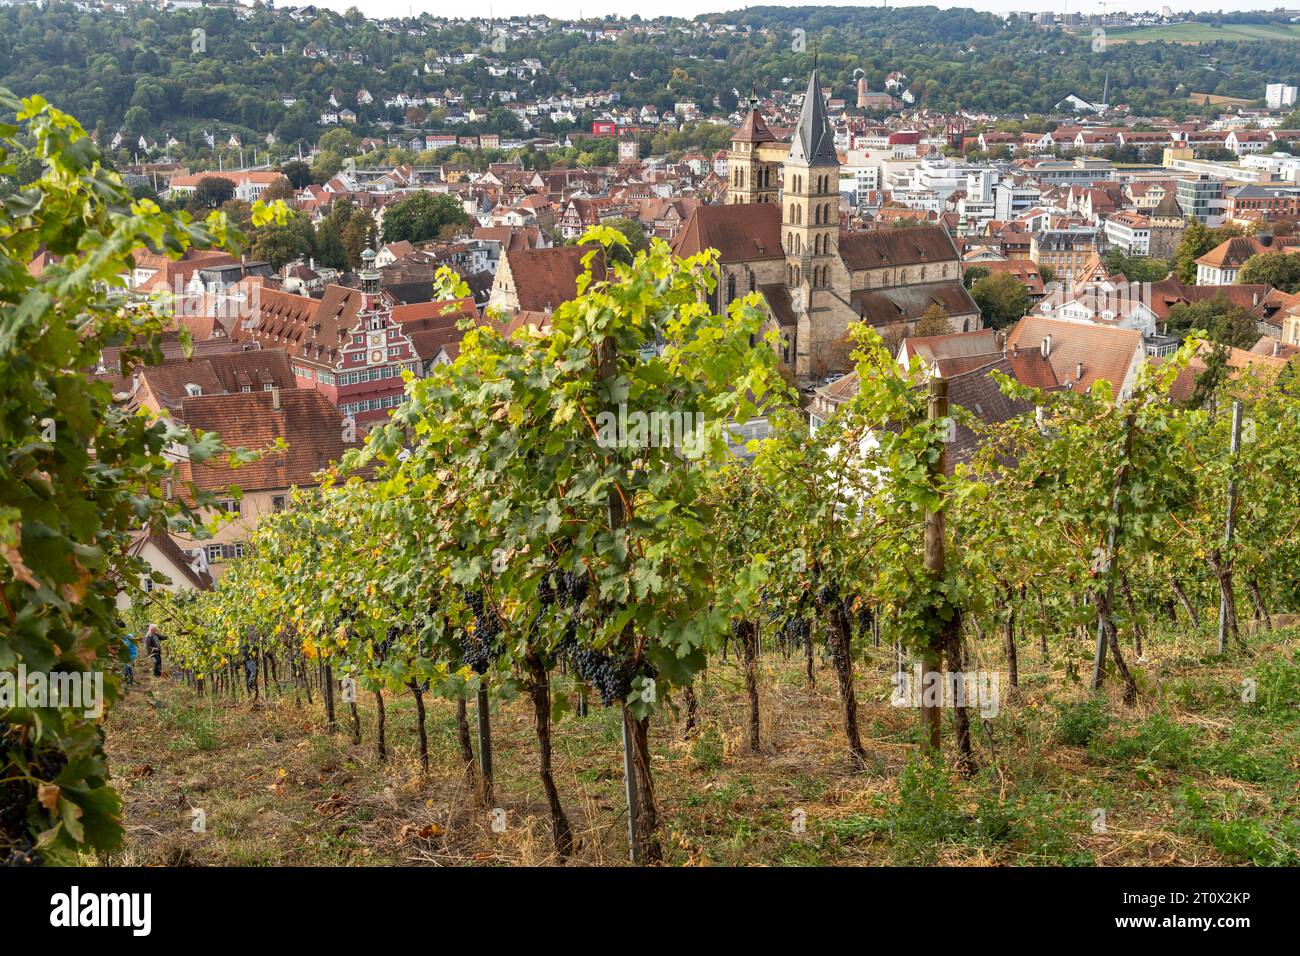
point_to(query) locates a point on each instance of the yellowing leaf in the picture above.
(47, 794)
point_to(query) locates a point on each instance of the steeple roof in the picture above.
(813, 143)
(753, 129)
(1168, 207)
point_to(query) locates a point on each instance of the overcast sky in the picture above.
(689, 8)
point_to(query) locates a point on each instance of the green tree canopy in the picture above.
(421, 216)
(1002, 299)
(212, 191)
(1219, 318)
(1278, 269)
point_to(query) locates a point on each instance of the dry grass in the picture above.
(278, 788)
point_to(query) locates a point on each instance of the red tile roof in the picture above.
(1103, 352)
(310, 426)
(741, 232)
(913, 245)
(546, 278)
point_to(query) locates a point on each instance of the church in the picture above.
(778, 234)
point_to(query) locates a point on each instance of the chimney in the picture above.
(1254, 299)
(1276, 345)
(1078, 371)
(275, 399)
(1046, 347)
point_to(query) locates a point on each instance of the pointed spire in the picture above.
(753, 129)
(813, 143)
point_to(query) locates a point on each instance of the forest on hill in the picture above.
(145, 71)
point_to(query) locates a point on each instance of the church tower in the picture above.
(810, 216)
(749, 177)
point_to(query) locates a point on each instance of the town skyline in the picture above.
(572, 9)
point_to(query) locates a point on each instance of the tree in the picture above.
(357, 235)
(632, 231)
(934, 321)
(1198, 239)
(297, 172)
(280, 243)
(81, 474)
(212, 191)
(326, 166)
(1219, 318)
(575, 493)
(973, 274)
(1277, 269)
(892, 337)
(1002, 299)
(1194, 244)
(280, 189)
(341, 141)
(420, 216)
(1136, 268)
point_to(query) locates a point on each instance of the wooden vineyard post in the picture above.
(1104, 596)
(641, 813)
(327, 691)
(485, 743)
(935, 560)
(633, 802)
(1225, 593)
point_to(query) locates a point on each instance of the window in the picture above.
(268, 387)
(214, 553)
(247, 388)
(394, 351)
(230, 506)
(277, 502)
(239, 549)
(358, 340)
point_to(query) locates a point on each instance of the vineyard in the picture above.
(549, 621)
(504, 547)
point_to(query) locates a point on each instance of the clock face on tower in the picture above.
(376, 356)
(376, 340)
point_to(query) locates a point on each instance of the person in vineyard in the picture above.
(128, 665)
(153, 647)
(250, 671)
